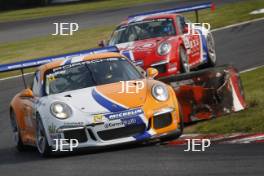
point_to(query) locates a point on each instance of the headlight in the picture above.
(164, 48)
(60, 110)
(160, 92)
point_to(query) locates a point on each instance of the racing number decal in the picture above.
(194, 54)
(195, 44)
(192, 44)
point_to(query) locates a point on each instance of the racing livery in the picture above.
(166, 41)
(81, 98)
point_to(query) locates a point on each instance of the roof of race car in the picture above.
(151, 17)
(58, 63)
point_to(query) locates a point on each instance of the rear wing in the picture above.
(40, 61)
(195, 8)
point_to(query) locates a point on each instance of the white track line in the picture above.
(12, 77)
(238, 24)
(213, 30)
(251, 69)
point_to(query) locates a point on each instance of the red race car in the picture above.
(166, 41)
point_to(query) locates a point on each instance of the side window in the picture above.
(180, 20)
(35, 86)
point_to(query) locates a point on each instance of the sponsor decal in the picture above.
(124, 114)
(73, 124)
(121, 123)
(61, 69)
(70, 125)
(98, 118)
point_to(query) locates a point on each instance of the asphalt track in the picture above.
(241, 46)
(26, 29)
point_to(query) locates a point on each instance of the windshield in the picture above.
(143, 30)
(89, 73)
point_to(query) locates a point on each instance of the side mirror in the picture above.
(102, 43)
(26, 93)
(152, 72)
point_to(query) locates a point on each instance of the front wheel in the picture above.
(184, 60)
(41, 139)
(211, 62)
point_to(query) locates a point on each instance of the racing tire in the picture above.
(211, 60)
(184, 61)
(41, 140)
(16, 133)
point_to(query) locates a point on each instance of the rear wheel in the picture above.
(41, 139)
(16, 133)
(211, 51)
(184, 61)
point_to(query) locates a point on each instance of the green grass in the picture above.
(88, 38)
(232, 13)
(41, 12)
(250, 120)
(52, 45)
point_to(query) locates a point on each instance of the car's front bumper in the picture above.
(66, 146)
(99, 134)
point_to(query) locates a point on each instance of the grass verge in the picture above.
(250, 120)
(65, 9)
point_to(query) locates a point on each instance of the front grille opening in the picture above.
(78, 134)
(92, 134)
(161, 68)
(128, 131)
(162, 120)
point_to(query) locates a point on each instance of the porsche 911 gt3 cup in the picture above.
(166, 40)
(81, 99)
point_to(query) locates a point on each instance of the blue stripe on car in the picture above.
(109, 105)
(143, 136)
(113, 107)
(205, 49)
